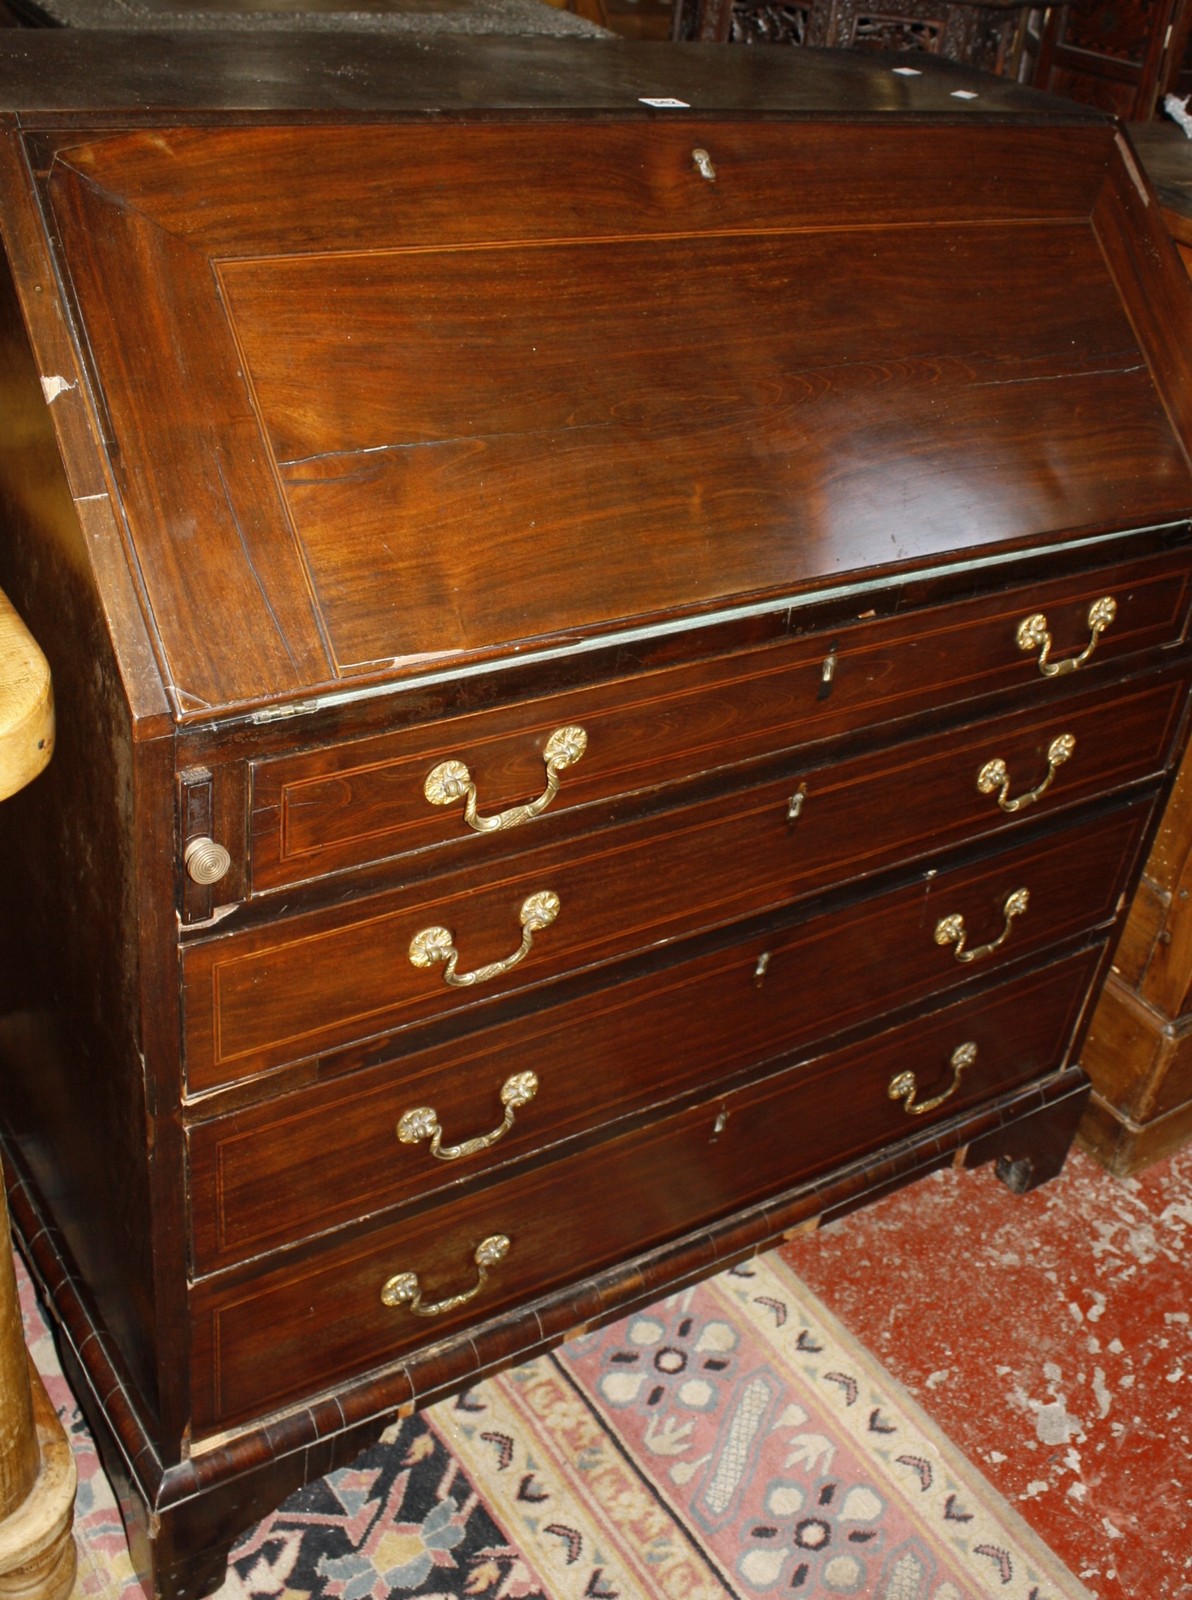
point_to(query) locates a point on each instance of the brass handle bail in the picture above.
(904, 1086)
(403, 1289)
(1033, 634)
(951, 929)
(423, 1123)
(995, 776)
(451, 781)
(429, 945)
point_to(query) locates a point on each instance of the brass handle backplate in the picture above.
(438, 944)
(403, 1289)
(994, 777)
(423, 1122)
(451, 781)
(904, 1086)
(1033, 634)
(951, 929)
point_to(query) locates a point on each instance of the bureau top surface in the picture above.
(342, 73)
(414, 393)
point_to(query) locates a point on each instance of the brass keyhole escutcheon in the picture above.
(703, 164)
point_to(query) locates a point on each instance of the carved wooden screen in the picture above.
(1113, 54)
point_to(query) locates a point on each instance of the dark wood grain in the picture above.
(348, 804)
(68, 77)
(364, 405)
(1020, 1034)
(294, 989)
(332, 1149)
(442, 485)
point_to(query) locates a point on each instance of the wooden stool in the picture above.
(37, 1472)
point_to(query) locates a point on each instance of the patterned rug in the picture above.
(732, 1441)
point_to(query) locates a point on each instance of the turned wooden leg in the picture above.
(37, 1473)
(19, 1459)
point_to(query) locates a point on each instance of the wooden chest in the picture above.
(1139, 1048)
(616, 662)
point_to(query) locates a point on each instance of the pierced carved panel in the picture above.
(872, 31)
(1121, 31)
(770, 24)
(960, 30)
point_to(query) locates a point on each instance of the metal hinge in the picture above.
(297, 708)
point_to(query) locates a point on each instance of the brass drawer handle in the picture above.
(423, 1123)
(993, 775)
(904, 1088)
(403, 1289)
(951, 930)
(1033, 635)
(437, 944)
(451, 780)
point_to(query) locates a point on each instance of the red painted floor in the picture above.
(1049, 1336)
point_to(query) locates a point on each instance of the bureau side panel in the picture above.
(72, 1091)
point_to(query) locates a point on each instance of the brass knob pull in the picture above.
(437, 944)
(451, 781)
(403, 1289)
(951, 930)
(994, 776)
(205, 861)
(423, 1122)
(1033, 635)
(904, 1087)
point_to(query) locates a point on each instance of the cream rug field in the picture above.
(731, 1441)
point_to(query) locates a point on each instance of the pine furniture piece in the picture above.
(1139, 1050)
(619, 616)
(37, 1472)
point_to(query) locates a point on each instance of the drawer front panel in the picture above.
(333, 1151)
(304, 1324)
(326, 810)
(262, 999)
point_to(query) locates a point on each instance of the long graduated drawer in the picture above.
(349, 805)
(336, 1151)
(317, 983)
(326, 1313)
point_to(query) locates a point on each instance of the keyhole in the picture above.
(703, 165)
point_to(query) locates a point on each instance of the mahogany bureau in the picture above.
(616, 663)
